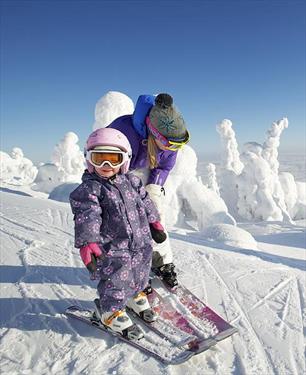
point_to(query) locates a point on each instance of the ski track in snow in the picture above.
(255, 345)
(258, 354)
(255, 350)
(43, 274)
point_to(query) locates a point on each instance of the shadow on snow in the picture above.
(35, 314)
(37, 274)
(6, 190)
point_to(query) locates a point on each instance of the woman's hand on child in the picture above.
(89, 255)
(158, 232)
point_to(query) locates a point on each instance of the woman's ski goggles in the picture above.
(172, 145)
(98, 158)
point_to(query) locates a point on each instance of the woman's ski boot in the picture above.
(168, 275)
(118, 322)
(140, 305)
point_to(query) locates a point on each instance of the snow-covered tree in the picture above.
(231, 165)
(230, 159)
(110, 106)
(183, 185)
(68, 158)
(300, 205)
(255, 189)
(6, 171)
(295, 195)
(212, 182)
(270, 153)
(16, 169)
(271, 144)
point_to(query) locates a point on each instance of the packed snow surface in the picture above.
(230, 235)
(261, 292)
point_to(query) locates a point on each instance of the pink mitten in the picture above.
(89, 255)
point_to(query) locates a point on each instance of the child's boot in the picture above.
(119, 322)
(148, 290)
(140, 305)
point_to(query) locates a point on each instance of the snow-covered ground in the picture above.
(260, 291)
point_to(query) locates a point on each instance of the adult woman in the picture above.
(156, 131)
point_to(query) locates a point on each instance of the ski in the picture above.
(172, 314)
(172, 325)
(168, 331)
(151, 344)
(205, 322)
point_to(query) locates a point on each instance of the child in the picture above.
(115, 221)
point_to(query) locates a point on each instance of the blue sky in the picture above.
(242, 60)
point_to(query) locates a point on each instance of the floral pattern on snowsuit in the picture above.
(116, 214)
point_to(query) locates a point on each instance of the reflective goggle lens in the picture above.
(174, 145)
(113, 158)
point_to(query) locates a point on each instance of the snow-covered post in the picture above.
(270, 153)
(68, 158)
(212, 178)
(231, 166)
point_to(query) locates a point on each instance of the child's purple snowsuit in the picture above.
(116, 214)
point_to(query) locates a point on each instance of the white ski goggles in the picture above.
(98, 158)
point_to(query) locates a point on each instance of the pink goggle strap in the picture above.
(156, 133)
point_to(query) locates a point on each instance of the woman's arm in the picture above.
(158, 175)
(149, 205)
